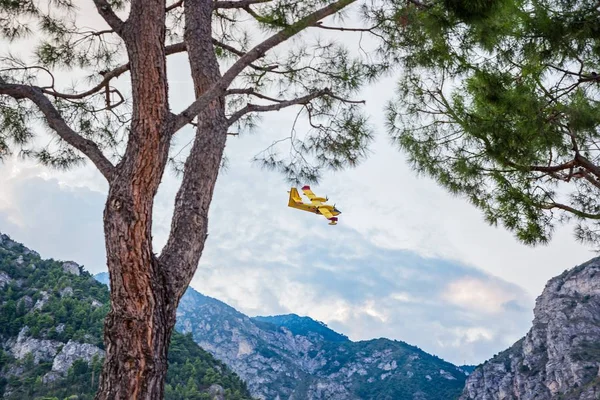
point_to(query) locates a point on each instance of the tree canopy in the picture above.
(503, 108)
(317, 73)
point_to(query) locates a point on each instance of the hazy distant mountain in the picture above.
(102, 277)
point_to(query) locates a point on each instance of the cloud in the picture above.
(278, 260)
(59, 222)
(488, 296)
(264, 259)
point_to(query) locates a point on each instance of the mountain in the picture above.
(467, 369)
(288, 357)
(297, 358)
(559, 358)
(51, 325)
(302, 326)
(103, 277)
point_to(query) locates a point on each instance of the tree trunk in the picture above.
(145, 289)
(142, 316)
(189, 228)
(139, 324)
(137, 333)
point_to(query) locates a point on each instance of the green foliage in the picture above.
(473, 10)
(192, 371)
(44, 279)
(73, 317)
(60, 44)
(505, 109)
(333, 132)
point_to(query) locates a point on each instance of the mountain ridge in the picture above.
(302, 325)
(295, 357)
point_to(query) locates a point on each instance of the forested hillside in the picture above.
(51, 324)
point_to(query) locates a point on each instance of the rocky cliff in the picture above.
(297, 358)
(559, 358)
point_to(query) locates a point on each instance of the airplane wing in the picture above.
(325, 212)
(313, 197)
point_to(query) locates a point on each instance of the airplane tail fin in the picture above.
(294, 197)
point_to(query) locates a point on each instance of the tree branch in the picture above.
(254, 54)
(279, 104)
(564, 207)
(240, 53)
(341, 28)
(275, 107)
(174, 5)
(58, 124)
(548, 169)
(587, 164)
(252, 92)
(238, 4)
(105, 10)
(115, 73)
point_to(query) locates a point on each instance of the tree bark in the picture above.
(190, 218)
(137, 334)
(139, 324)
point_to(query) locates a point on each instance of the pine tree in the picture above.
(505, 110)
(129, 133)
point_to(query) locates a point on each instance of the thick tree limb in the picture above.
(56, 122)
(588, 165)
(106, 11)
(240, 53)
(174, 5)
(548, 169)
(254, 54)
(189, 225)
(578, 161)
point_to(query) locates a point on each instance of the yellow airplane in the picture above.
(315, 206)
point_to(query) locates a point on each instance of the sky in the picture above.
(407, 260)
